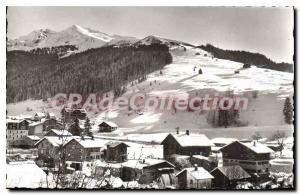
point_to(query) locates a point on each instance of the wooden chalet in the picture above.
(70, 114)
(186, 144)
(116, 152)
(194, 178)
(252, 156)
(145, 171)
(227, 177)
(107, 126)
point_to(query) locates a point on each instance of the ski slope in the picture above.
(181, 78)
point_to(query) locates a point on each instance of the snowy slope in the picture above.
(179, 78)
(264, 112)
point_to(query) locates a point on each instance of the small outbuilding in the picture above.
(227, 177)
(107, 126)
(194, 178)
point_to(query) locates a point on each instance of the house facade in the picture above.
(146, 171)
(51, 123)
(254, 157)
(51, 148)
(36, 128)
(186, 144)
(107, 127)
(31, 140)
(116, 152)
(227, 177)
(69, 115)
(16, 131)
(79, 150)
(194, 178)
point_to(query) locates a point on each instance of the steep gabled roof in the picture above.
(109, 123)
(91, 143)
(60, 132)
(55, 141)
(255, 146)
(191, 140)
(235, 172)
(199, 173)
(140, 164)
(115, 144)
(33, 137)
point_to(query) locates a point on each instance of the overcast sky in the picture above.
(265, 30)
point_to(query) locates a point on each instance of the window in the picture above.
(191, 182)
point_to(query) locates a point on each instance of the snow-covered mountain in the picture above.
(159, 40)
(83, 38)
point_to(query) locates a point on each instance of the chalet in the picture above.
(31, 140)
(186, 144)
(145, 171)
(51, 123)
(116, 152)
(58, 133)
(50, 147)
(36, 128)
(254, 157)
(107, 126)
(16, 130)
(206, 162)
(227, 177)
(38, 116)
(194, 178)
(69, 115)
(87, 149)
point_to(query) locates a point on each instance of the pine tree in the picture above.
(87, 128)
(288, 111)
(75, 128)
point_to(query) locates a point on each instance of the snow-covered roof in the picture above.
(201, 157)
(113, 144)
(56, 141)
(140, 164)
(61, 132)
(192, 140)
(254, 146)
(89, 143)
(51, 114)
(223, 140)
(72, 110)
(33, 137)
(234, 172)
(40, 114)
(258, 147)
(35, 124)
(198, 173)
(14, 120)
(25, 174)
(110, 123)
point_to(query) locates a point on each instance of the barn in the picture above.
(186, 144)
(107, 126)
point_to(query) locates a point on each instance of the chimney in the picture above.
(254, 143)
(177, 131)
(196, 167)
(187, 132)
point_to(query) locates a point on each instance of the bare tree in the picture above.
(280, 138)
